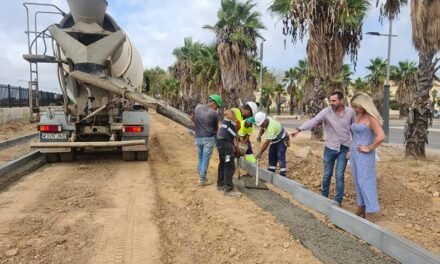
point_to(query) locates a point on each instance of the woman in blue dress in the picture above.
(367, 136)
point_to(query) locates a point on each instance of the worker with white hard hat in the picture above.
(278, 140)
(247, 110)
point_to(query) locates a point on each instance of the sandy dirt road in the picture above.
(95, 212)
(103, 210)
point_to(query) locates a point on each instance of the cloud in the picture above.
(158, 27)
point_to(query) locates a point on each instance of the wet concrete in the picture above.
(327, 244)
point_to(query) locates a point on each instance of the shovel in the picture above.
(238, 165)
(257, 163)
(257, 175)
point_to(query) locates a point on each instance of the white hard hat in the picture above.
(259, 118)
(253, 106)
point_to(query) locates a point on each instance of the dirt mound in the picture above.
(16, 129)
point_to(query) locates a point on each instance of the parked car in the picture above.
(436, 114)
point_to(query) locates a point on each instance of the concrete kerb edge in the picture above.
(406, 251)
(9, 143)
(14, 164)
(391, 244)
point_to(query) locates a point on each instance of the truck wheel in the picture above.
(142, 155)
(52, 157)
(128, 155)
(67, 156)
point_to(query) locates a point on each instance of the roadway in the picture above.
(396, 130)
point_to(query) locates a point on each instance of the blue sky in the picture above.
(157, 27)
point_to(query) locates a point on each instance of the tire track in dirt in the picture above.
(47, 217)
(129, 234)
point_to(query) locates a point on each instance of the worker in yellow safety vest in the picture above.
(246, 129)
(237, 115)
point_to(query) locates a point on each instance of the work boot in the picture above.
(231, 193)
(220, 188)
(204, 183)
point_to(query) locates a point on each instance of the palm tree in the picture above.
(198, 72)
(290, 80)
(267, 93)
(208, 71)
(169, 89)
(426, 39)
(390, 8)
(404, 75)
(155, 77)
(343, 80)
(294, 79)
(376, 79)
(334, 28)
(425, 16)
(280, 98)
(184, 70)
(299, 95)
(236, 30)
(360, 85)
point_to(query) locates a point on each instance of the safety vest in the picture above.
(275, 131)
(237, 113)
(245, 131)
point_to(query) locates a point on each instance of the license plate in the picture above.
(53, 136)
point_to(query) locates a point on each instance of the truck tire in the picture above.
(128, 155)
(67, 156)
(142, 155)
(52, 157)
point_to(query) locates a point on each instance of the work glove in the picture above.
(258, 156)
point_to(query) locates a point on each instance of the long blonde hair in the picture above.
(364, 101)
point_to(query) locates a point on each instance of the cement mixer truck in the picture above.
(101, 79)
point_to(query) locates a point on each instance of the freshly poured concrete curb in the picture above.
(393, 245)
(12, 165)
(15, 141)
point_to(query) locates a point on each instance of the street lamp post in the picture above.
(386, 103)
(261, 73)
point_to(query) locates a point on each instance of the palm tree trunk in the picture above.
(237, 81)
(316, 105)
(401, 111)
(292, 105)
(268, 104)
(420, 114)
(378, 91)
(278, 103)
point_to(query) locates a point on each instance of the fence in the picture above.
(15, 96)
